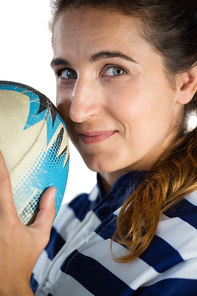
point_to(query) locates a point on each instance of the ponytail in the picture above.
(172, 177)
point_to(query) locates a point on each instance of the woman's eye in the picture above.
(68, 74)
(115, 71)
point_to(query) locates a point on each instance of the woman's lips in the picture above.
(95, 137)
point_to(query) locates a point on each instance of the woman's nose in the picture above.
(85, 103)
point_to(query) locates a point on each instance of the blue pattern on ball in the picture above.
(52, 162)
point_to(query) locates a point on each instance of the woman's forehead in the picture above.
(92, 20)
(89, 28)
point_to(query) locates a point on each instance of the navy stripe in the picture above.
(111, 202)
(81, 205)
(93, 276)
(33, 283)
(170, 287)
(107, 228)
(185, 211)
(106, 207)
(160, 255)
(118, 194)
(55, 244)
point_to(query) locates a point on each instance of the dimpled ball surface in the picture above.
(34, 143)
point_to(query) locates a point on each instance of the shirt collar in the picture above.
(123, 187)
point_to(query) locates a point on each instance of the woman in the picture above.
(126, 82)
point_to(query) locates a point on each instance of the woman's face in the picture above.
(112, 91)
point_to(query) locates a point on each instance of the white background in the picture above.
(25, 55)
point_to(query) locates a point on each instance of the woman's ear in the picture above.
(187, 86)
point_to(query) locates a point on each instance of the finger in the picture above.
(6, 197)
(45, 217)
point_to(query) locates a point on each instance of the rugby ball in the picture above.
(34, 143)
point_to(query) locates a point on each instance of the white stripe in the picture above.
(40, 293)
(43, 264)
(183, 270)
(117, 211)
(134, 274)
(192, 198)
(94, 193)
(180, 235)
(65, 220)
(66, 285)
(81, 231)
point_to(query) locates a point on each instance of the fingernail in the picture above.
(53, 192)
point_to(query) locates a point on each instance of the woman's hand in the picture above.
(20, 246)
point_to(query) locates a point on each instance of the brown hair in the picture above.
(171, 28)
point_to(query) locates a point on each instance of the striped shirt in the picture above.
(78, 260)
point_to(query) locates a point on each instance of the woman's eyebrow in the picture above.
(110, 54)
(59, 61)
(96, 57)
